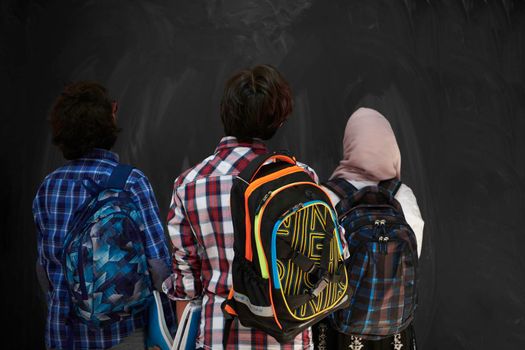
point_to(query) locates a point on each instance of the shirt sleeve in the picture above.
(38, 211)
(310, 172)
(185, 282)
(39, 219)
(408, 202)
(155, 240)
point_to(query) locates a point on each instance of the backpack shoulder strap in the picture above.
(253, 168)
(344, 190)
(340, 187)
(119, 176)
(392, 185)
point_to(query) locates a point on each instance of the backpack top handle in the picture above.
(343, 188)
(350, 196)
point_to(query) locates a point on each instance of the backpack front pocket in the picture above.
(379, 301)
(298, 245)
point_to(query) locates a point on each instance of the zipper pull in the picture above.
(266, 196)
(264, 199)
(380, 226)
(376, 232)
(298, 207)
(385, 241)
(385, 237)
(292, 210)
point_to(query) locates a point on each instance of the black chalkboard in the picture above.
(449, 75)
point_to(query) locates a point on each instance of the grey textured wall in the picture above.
(449, 74)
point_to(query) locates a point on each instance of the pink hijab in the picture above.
(370, 150)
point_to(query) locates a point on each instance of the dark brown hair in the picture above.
(82, 119)
(255, 103)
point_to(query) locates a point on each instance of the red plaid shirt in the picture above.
(201, 230)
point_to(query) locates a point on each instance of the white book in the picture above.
(159, 336)
(188, 327)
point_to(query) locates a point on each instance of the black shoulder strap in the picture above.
(119, 176)
(247, 174)
(392, 185)
(344, 190)
(340, 187)
(226, 331)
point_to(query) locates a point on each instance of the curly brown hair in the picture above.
(82, 118)
(255, 103)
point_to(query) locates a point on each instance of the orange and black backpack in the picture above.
(288, 269)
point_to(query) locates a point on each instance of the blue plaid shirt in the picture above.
(55, 202)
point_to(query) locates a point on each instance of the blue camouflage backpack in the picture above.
(382, 264)
(104, 262)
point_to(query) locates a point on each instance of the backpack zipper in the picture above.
(380, 225)
(263, 263)
(292, 210)
(251, 188)
(344, 215)
(81, 277)
(261, 203)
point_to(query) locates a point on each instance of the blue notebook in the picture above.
(159, 336)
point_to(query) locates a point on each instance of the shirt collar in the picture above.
(232, 142)
(99, 153)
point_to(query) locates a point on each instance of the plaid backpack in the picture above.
(104, 261)
(383, 260)
(288, 271)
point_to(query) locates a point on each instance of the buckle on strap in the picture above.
(319, 287)
(324, 280)
(304, 263)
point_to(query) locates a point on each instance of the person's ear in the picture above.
(114, 109)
